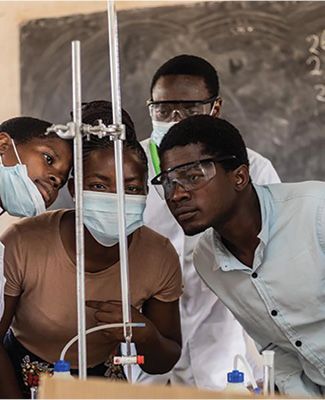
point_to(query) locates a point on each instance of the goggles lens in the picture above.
(166, 110)
(191, 176)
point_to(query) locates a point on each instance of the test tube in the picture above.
(268, 370)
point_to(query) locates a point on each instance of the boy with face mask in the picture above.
(33, 167)
(41, 292)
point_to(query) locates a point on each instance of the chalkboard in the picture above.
(270, 57)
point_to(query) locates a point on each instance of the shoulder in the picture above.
(160, 254)
(283, 192)
(299, 204)
(32, 228)
(261, 169)
(154, 241)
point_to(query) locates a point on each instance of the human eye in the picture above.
(134, 189)
(195, 175)
(49, 159)
(97, 187)
(193, 109)
(162, 111)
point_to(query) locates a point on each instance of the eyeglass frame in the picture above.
(211, 99)
(155, 180)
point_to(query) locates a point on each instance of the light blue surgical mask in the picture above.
(18, 193)
(101, 215)
(159, 130)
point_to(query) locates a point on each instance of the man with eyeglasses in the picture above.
(262, 248)
(184, 86)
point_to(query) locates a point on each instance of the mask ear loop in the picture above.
(16, 152)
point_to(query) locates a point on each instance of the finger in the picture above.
(108, 317)
(94, 303)
(104, 305)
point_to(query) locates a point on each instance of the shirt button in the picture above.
(298, 343)
(254, 275)
(274, 313)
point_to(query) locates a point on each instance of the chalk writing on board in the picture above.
(317, 47)
(314, 61)
(320, 92)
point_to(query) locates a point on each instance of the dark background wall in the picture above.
(270, 57)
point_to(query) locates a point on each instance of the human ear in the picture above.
(5, 142)
(216, 108)
(71, 187)
(241, 177)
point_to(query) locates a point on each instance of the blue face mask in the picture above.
(18, 193)
(101, 215)
(159, 130)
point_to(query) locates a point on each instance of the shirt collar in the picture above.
(223, 257)
(265, 206)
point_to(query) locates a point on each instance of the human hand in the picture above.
(109, 312)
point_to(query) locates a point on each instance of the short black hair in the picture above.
(24, 129)
(217, 136)
(189, 65)
(95, 110)
(102, 109)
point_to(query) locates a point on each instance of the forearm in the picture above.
(9, 388)
(160, 354)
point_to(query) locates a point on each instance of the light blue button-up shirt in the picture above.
(280, 301)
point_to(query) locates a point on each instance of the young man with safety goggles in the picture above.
(184, 86)
(262, 251)
(33, 167)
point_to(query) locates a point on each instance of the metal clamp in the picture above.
(63, 131)
(114, 131)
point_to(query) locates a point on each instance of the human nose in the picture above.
(56, 180)
(57, 177)
(176, 116)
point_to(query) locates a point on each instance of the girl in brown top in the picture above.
(40, 292)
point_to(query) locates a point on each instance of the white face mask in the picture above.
(101, 215)
(160, 128)
(19, 195)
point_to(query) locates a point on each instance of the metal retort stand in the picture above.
(76, 130)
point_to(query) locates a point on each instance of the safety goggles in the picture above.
(190, 176)
(166, 110)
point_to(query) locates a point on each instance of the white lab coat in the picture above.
(211, 335)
